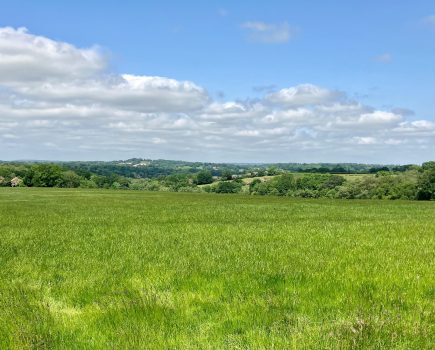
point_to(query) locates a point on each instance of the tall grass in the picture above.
(100, 269)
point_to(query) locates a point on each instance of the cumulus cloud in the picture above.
(269, 33)
(58, 101)
(26, 58)
(141, 93)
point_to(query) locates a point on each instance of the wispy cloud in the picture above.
(269, 33)
(265, 88)
(223, 12)
(384, 58)
(429, 21)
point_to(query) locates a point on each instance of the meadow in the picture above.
(106, 269)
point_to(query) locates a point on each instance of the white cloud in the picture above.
(367, 140)
(158, 140)
(270, 33)
(29, 58)
(248, 133)
(141, 93)
(72, 108)
(290, 116)
(306, 94)
(379, 117)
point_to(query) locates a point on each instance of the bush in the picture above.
(203, 178)
(70, 179)
(283, 184)
(228, 187)
(88, 184)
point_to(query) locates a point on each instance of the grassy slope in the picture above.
(349, 177)
(105, 269)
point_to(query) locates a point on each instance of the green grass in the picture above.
(100, 269)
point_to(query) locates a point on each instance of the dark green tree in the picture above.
(226, 174)
(284, 183)
(44, 175)
(228, 187)
(426, 182)
(204, 177)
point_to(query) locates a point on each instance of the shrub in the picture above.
(228, 187)
(204, 177)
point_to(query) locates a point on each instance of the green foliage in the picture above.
(84, 183)
(306, 186)
(204, 177)
(284, 184)
(383, 186)
(333, 182)
(272, 170)
(176, 181)
(227, 174)
(44, 175)
(227, 187)
(384, 182)
(426, 182)
(70, 179)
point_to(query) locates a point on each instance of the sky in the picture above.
(220, 81)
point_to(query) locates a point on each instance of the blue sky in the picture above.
(379, 53)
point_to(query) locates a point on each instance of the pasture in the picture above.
(102, 269)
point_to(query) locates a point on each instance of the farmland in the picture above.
(105, 269)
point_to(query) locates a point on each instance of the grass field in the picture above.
(100, 269)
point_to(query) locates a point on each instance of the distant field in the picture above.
(355, 176)
(350, 177)
(101, 269)
(248, 180)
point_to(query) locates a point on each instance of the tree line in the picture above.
(405, 182)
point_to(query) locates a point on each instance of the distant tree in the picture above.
(261, 172)
(375, 170)
(253, 185)
(283, 183)
(426, 182)
(338, 170)
(44, 175)
(228, 187)
(85, 183)
(226, 174)
(311, 181)
(204, 177)
(176, 181)
(115, 185)
(333, 181)
(272, 170)
(323, 170)
(207, 188)
(70, 179)
(101, 181)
